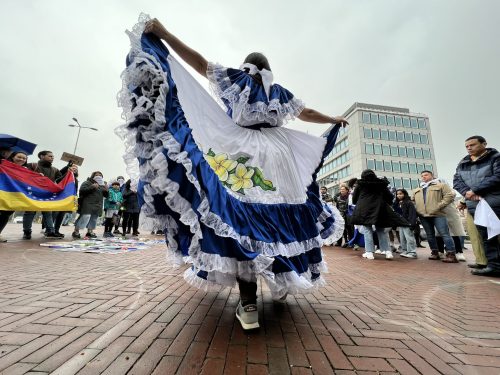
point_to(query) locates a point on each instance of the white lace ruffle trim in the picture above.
(279, 284)
(244, 113)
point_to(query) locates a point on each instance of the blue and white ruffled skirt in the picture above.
(233, 202)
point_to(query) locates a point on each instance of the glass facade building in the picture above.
(394, 142)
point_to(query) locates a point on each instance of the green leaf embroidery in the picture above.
(242, 159)
(259, 180)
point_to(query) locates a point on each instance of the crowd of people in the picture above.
(373, 211)
(116, 201)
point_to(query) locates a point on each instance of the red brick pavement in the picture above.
(76, 313)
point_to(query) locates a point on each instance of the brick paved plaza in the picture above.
(78, 313)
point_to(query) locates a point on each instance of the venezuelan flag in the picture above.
(25, 190)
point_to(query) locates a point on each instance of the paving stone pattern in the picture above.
(77, 313)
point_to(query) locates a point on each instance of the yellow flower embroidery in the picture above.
(221, 165)
(235, 175)
(241, 178)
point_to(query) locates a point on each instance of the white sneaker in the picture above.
(248, 316)
(356, 247)
(460, 257)
(409, 255)
(378, 251)
(368, 256)
(442, 255)
(388, 255)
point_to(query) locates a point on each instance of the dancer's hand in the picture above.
(340, 120)
(155, 27)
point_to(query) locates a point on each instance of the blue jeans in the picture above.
(441, 225)
(88, 221)
(383, 239)
(28, 221)
(407, 239)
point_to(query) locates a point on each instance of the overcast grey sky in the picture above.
(62, 58)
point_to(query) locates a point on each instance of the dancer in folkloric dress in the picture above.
(235, 192)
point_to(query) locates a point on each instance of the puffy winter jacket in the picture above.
(482, 176)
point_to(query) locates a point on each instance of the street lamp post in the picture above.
(79, 129)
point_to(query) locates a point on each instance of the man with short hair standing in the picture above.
(478, 177)
(431, 198)
(44, 167)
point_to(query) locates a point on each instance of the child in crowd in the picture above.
(408, 211)
(112, 207)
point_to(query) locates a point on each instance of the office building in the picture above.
(394, 142)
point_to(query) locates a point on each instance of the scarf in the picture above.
(425, 185)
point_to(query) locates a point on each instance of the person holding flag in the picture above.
(19, 158)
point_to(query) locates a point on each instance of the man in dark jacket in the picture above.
(44, 167)
(58, 217)
(341, 200)
(478, 177)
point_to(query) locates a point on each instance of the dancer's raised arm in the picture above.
(189, 55)
(311, 115)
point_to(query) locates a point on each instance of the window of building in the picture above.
(387, 166)
(424, 139)
(416, 138)
(427, 153)
(366, 117)
(413, 168)
(396, 167)
(406, 122)
(429, 167)
(408, 137)
(367, 132)
(374, 118)
(382, 119)
(413, 123)
(399, 121)
(394, 151)
(376, 133)
(379, 165)
(410, 152)
(420, 167)
(390, 120)
(402, 151)
(418, 153)
(369, 148)
(370, 164)
(377, 149)
(384, 134)
(415, 183)
(386, 150)
(404, 167)
(406, 183)
(397, 183)
(421, 123)
(392, 135)
(400, 136)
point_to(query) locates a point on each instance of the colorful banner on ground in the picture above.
(25, 190)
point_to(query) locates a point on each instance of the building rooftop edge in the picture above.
(359, 105)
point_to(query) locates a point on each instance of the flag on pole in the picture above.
(25, 190)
